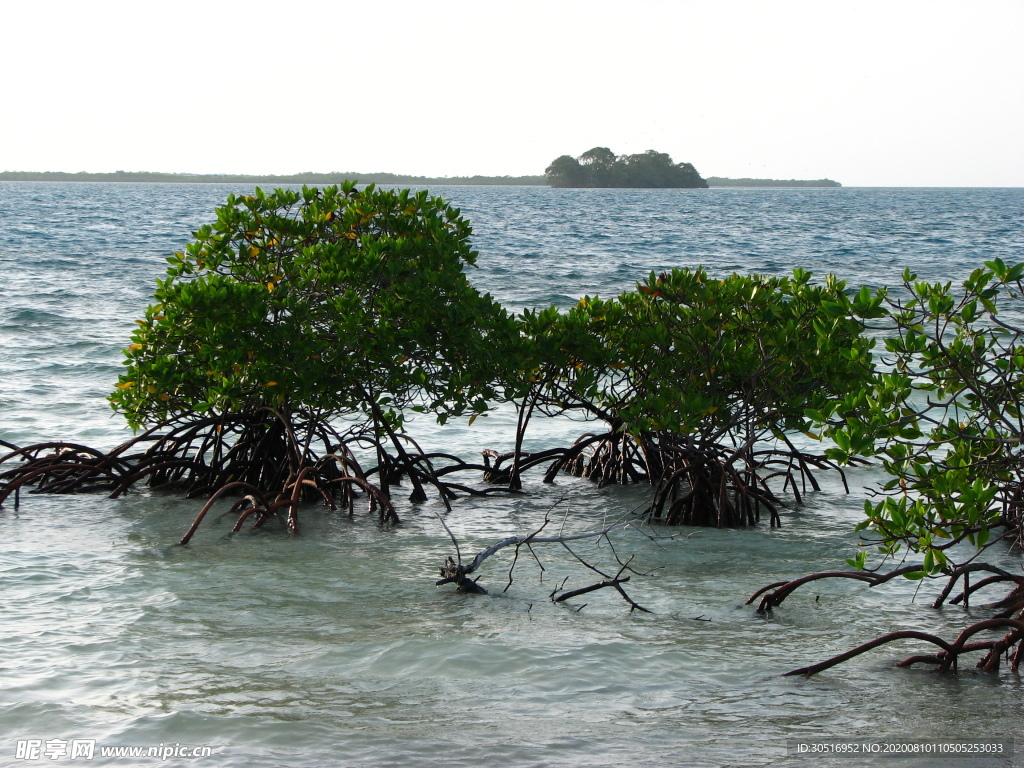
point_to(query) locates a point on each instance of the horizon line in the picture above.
(185, 177)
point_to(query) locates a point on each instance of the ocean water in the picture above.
(335, 648)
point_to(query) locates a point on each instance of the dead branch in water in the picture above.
(454, 571)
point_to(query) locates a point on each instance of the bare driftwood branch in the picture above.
(615, 583)
(532, 539)
(455, 571)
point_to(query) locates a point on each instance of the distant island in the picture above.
(600, 167)
(718, 181)
(297, 178)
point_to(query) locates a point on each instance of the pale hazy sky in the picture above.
(868, 93)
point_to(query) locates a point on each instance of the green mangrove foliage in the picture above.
(297, 309)
(692, 375)
(344, 301)
(600, 167)
(945, 419)
(744, 355)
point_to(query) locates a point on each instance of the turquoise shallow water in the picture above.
(335, 648)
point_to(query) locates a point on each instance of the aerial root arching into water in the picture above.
(947, 658)
(1010, 615)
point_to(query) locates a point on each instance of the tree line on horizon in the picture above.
(310, 177)
(720, 181)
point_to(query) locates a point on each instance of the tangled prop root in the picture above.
(256, 503)
(272, 461)
(496, 472)
(946, 658)
(606, 459)
(707, 489)
(726, 486)
(773, 595)
(696, 483)
(255, 456)
(1013, 512)
(949, 654)
(701, 484)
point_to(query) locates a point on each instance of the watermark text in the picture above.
(87, 749)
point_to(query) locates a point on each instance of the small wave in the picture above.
(31, 317)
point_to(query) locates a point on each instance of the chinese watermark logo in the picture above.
(86, 749)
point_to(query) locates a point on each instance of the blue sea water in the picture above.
(335, 648)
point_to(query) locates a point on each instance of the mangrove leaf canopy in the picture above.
(340, 301)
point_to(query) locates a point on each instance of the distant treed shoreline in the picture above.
(367, 178)
(718, 181)
(297, 178)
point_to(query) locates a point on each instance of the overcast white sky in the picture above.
(867, 93)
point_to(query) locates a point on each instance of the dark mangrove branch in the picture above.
(455, 571)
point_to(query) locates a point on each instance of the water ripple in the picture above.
(335, 647)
